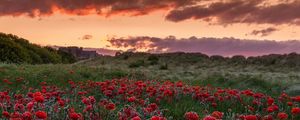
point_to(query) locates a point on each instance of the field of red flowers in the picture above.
(124, 99)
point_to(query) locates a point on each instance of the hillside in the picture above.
(18, 50)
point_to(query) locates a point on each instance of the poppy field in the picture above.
(28, 97)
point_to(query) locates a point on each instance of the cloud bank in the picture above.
(37, 8)
(241, 11)
(209, 46)
(217, 11)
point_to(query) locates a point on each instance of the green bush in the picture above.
(164, 67)
(18, 50)
(153, 60)
(137, 63)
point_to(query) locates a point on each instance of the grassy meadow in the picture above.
(180, 84)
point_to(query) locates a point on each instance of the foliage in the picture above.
(18, 50)
(137, 63)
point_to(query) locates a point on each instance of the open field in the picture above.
(112, 88)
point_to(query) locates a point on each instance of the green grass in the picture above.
(271, 83)
(59, 74)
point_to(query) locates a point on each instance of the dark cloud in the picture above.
(210, 46)
(86, 37)
(38, 8)
(264, 32)
(212, 11)
(241, 11)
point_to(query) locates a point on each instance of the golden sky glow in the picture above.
(65, 30)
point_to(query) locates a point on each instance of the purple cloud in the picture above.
(209, 46)
(240, 11)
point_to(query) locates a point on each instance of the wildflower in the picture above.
(131, 99)
(214, 104)
(18, 107)
(61, 103)
(268, 117)
(92, 99)
(191, 116)
(282, 116)
(217, 114)
(26, 115)
(41, 114)
(110, 106)
(152, 106)
(209, 118)
(251, 117)
(29, 106)
(88, 108)
(15, 115)
(38, 97)
(290, 103)
(270, 109)
(5, 114)
(179, 84)
(295, 110)
(74, 116)
(136, 118)
(270, 101)
(86, 101)
(297, 98)
(157, 118)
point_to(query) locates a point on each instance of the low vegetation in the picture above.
(18, 50)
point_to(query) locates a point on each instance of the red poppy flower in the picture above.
(217, 114)
(29, 106)
(110, 106)
(191, 116)
(282, 116)
(38, 97)
(268, 117)
(270, 109)
(136, 118)
(209, 118)
(290, 103)
(131, 99)
(251, 117)
(295, 110)
(75, 116)
(157, 118)
(41, 114)
(270, 101)
(26, 116)
(5, 114)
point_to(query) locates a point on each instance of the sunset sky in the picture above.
(143, 24)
